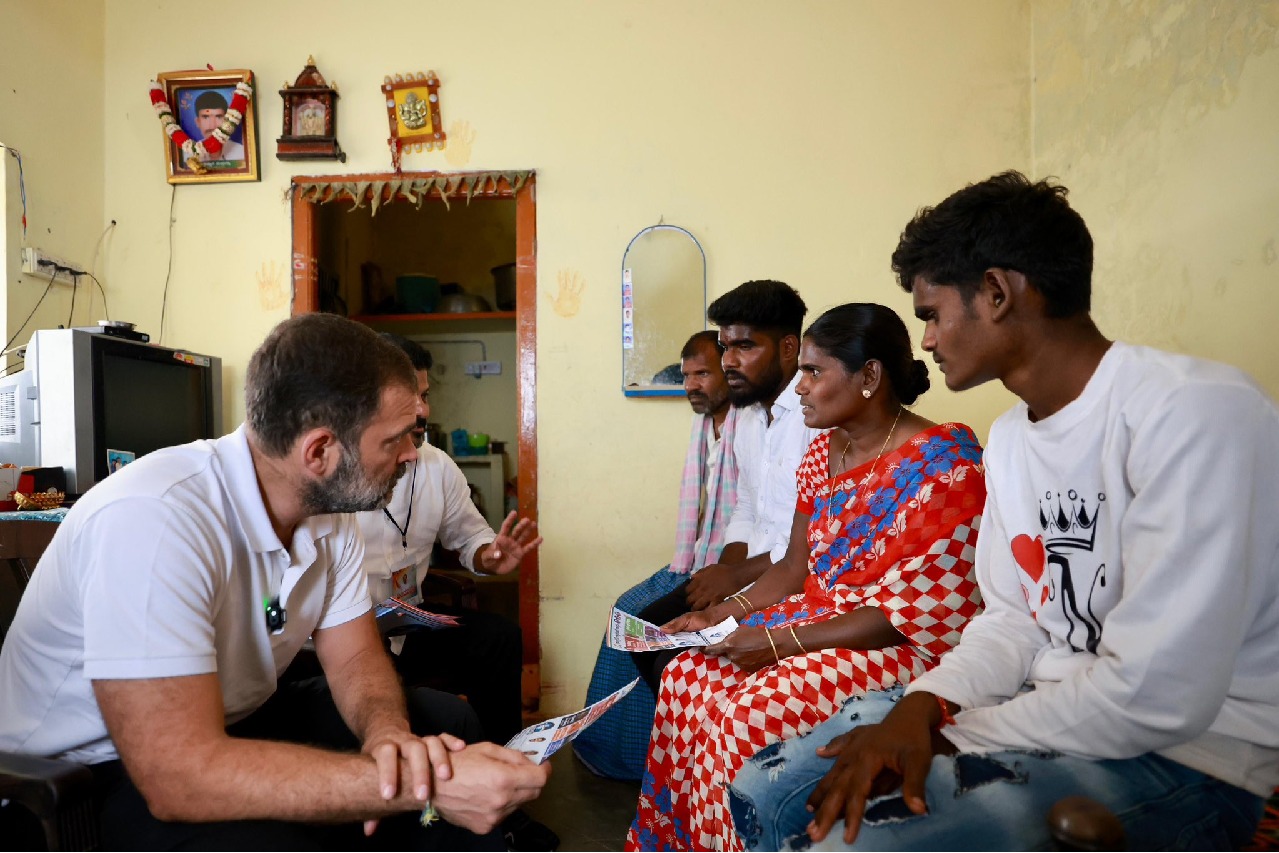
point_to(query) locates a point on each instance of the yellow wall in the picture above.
(793, 139)
(1162, 116)
(51, 110)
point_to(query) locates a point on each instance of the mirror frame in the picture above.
(657, 390)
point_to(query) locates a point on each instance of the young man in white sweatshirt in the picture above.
(1128, 557)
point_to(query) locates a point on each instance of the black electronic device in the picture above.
(91, 401)
(116, 329)
(276, 615)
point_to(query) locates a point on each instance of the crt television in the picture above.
(82, 394)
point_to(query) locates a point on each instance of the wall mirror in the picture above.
(663, 304)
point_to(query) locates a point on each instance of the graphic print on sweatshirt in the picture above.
(1064, 566)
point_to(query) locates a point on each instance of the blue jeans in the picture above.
(995, 801)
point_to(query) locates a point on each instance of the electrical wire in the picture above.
(75, 285)
(93, 263)
(9, 368)
(22, 186)
(105, 309)
(33, 310)
(164, 301)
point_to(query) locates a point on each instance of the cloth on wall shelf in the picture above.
(413, 189)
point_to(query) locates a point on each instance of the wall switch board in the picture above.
(43, 266)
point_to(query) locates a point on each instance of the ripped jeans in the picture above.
(996, 801)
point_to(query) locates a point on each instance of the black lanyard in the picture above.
(404, 531)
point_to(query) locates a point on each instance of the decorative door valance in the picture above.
(376, 190)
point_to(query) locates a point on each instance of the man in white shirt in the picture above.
(617, 744)
(150, 638)
(482, 657)
(432, 502)
(1129, 562)
(760, 323)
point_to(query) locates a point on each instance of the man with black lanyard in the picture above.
(483, 656)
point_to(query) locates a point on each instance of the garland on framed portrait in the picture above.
(208, 121)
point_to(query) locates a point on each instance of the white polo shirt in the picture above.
(436, 492)
(162, 570)
(767, 456)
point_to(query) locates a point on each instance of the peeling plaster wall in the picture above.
(1162, 116)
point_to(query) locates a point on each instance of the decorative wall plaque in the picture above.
(310, 119)
(413, 112)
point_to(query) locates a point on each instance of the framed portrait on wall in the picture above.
(209, 121)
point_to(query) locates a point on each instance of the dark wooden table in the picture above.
(23, 538)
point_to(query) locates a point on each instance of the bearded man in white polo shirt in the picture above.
(149, 641)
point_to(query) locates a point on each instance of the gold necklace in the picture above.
(857, 496)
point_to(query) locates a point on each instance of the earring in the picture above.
(866, 393)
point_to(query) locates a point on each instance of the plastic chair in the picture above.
(58, 794)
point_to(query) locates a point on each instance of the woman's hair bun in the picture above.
(917, 383)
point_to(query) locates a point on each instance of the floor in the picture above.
(587, 812)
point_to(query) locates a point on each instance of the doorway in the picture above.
(493, 209)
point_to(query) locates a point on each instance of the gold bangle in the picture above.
(776, 656)
(749, 603)
(743, 601)
(796, 639)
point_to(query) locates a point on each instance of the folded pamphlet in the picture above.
(539, 742)
(629, 633)
(394, 613)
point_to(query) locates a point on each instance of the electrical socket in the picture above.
(483, 368)
(42, 265)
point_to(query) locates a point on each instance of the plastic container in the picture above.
(479, 442)
(417, 293)
(460, 442)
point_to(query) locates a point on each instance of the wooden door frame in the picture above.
(306, 299)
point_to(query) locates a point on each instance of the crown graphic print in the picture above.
(1060, 563)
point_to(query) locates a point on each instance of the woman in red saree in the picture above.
(877, 582)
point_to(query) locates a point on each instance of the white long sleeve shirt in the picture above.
(767, 456)
(1129, 561)
(440, 498)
